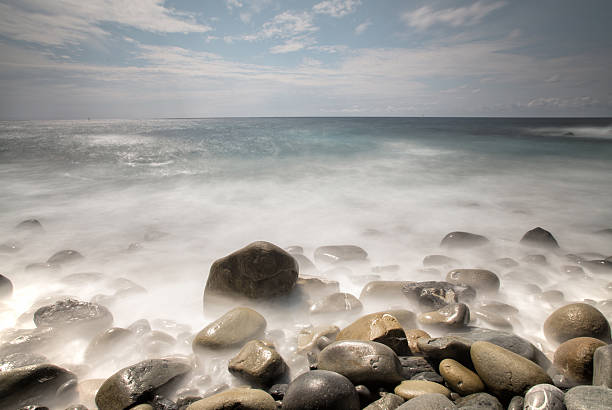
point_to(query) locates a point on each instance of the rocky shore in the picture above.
(287, 337)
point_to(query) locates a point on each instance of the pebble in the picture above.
(544, 397)
(506, 263)
(535, 259)
(479, 401)
(576, 320)
(381, 327)
(340, 254)
(65, 257)
(433, 401)
(463, 240)
(409, 389)
(539, 237)
(238, 398)
(460, 378)
(388, 401)
(414, 365)
(434, 295)
(308, 337)
(315, 287)
(484, 281)
(516, 403)
(107, 343)
(258, 362)
(336, 303)
(234, 328)
(574, 358)
(412, 335)
(602, 366)
(428, 376)
(21, 359)
(492, 319)
(588, 398)
(454, 315)
(383, 290)
(321, 390)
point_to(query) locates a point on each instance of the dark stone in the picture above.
(21, 359)
(30, 225)
(600, 266)
(414, 365)
(463, 240)
(428, 376)
(574, 358)
(6, 287)
(388, 401)
(339, 254)
(479, 401)
(540, 238)
(434, 295)
(64, 257)
(447, 347)
(140, 383)
(258, 362)
(321, 390)
(576, 320)
(278, 391)
(516, 403)
(73, 314)
(109, 342)
(588, 398)
(365, 395)
(602, 366)
(431, 401)
(34, 384)
(162, 403)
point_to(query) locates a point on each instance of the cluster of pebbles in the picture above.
(291, 340)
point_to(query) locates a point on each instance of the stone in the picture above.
(73, 314)
(304, 264)
(576, 320)
(82, 407)
(539, 238)
(412, 335)
(308, 337)
(278, 391)
(238, 398)
(463, 240)
(432, 401)
(30, 225)
(26, 340)
(6, 287)
(337, 302)
(140, 327)
(260, 270)
(20, 359)
(428, 376)
(409, 389)
(535, 259)
(107, 343)
(479, 401)
(10, 247)
(258, 362)
(498, 308)
(434, 295)
(137, 383)
(295, 250)
(553, 297)
(381, 327)
(43, 267)
(505, 373)
(34, 384)
(506, 263)
(484, 281)
(454, 315)
(340, 254)
(439, 260)
(601, 266)
(414, 365)
(388, 401)
(321, 390)
(362, 362)
(316, 287)
(459, 378)
(602, 366)
(544, 397)
(492, 319)
(574, 358)
(440, 348)
(572, 270)
(516, 403)
(588, 398)
(233, 329)
(65, 257)
(383, 290)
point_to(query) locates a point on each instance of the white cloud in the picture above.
(336, 8)
(288, 24)
(231, 4)
(288, 47)
(426, 17)
(331, 49)
(563, 103)
(363, 27)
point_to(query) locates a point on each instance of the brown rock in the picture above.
(308, 337)
(484, 281)
(454, 315)
(409, 389)
(460, 378)
(258, 362)
(574, 358)
(381, 327)
(411, 337)
(232, 329)
(337, 302)
(576, 320)
(239, 398)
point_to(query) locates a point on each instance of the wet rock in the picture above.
(572, 270)
(43, 267)
(463, 240)
(601, 266)
(434, 295)
(492, 319)
(76, 407)
(498, 308)
(479, 401)
(432, 401)
(321, 390)
(308, 337)
(238, 398)
(505, 373)
(576, 320)
(234, 328)
(26, 340)
(484, 281)
(258, 362)
(506, 263)
(295, 250)
(260, 270)
(278, 391)
(428, 376)
(516, 403)
(316, 287)
(539, 238)
(337, 302)
(10, 247)
(574, 358)
(65, 257)
(20, 359)
(34, 384)
(454, 315)
(339, 254)
(73, 314)
(414, 365)
(383, 290)
(412, 335)
(6, 287)
(409, 389)
(304, 264)
(439, 260)
(602, 366)
(381, 327)
(140, 327)
(440, 348)
(553, 297)
(109, 342)
(539, 260)
(460, 378)
(30, 225)
(138, 383)
(588, 398)
(388, 401)
(362, 362)
(544, 397)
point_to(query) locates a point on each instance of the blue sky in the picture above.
(156, 58)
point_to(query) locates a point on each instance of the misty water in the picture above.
(157, 201)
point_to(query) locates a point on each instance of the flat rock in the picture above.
(459, 378)
(234, 328)
(381, 327)
(65, 257)
(362, 362)
(576, 320)
(588, 398)
(258, 362)
(388, 401)
(484, 281)
(238, 398)
(73, 314)
(20, 359)
(339, 254)
(34, 384)
(574, 358)
(409, 389)
(539, 237)
(321, 390)
(431, 401)
(544, 397)
(602, 366)
(453, 347)
(136, 384)
(434, 295)
(337, 302)
(463, 240)
(454, 315)
(479, 401)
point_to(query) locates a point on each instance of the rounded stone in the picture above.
(505, 373)
(540, 238)
(362, 362)
(32, 225)
(238, 398)
(308, 337)
(484, 281)
(20, 359)
(388, 401)
(64, 257)
(460, 378)
(412, 335)
(479, 401)
(463, 240)
(439, 260)
(321, 390)
(383, 290)
(516, 403)
(576, 320)
(454, 315)
(234, 328)
(431, 401)
(340, 253)
(73, 314)
(409, 389)
(105, 343)
(258, 362)
(6, 287)
(337, 302)
(381, 327)
(588, 398)
(544, 397)
(574, 358)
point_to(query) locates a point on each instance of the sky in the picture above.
(72, 59)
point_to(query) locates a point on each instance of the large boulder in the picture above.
(321, 390)
(74, 315)
(35, 384)
(576, 320)
(233, 329)
(588, 398)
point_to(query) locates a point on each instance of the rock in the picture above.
(137, 383)
(574, 358)
(539, 238)
(295, 250)
(82, 407)
(602, 366)
(409, 389)
(140, 327)
(440, 348)
(553, 297)
(433, 401)
(308, 337)
(384, 290)
(506, 263)
(73, 314)
(316, 287)
(362, 362)
(339, 254)
(601, 266)
(498, 308)
(439, 260)
(30, 225)
(492, 319)
(453, 315)
(109, 342)
(516, 403)
(20, 359)
(10, 247)
(321, 390)
(588, 398)
(238, 398)
(35, 384)
(572, 270)
(278, 391)
(479, 401)
(428, 376)
(337, 302)
(434, 295)
(412, 335)
(463, 240)
(43, 267)
(388, 401)
(258, 362)
(537, 259)
(381, 327)
(544, 397)
(65, 257)
(304, 264)
(484, 281)
(576, 320)
(414, 365)
(26, 340)
(460, 378)
(505, 373)
(260, 270)
(234, 328)
(6, 287)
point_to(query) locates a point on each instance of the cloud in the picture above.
(425, 17)
(336, 8)
(555, 78)
(289, 46)
(231, 4)
(363, 27)
(563, 103)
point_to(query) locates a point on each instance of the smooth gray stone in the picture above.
(389, 401)
(544, 397)
(602, 366)
(321, 390)
(34, 384)
(516, 403)
(431, 401)
(463, 240)
(588, 398)
(413, 365)
(73, 314)
(428, 376)
(65, 256)
(540, 238)
(479, 401)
